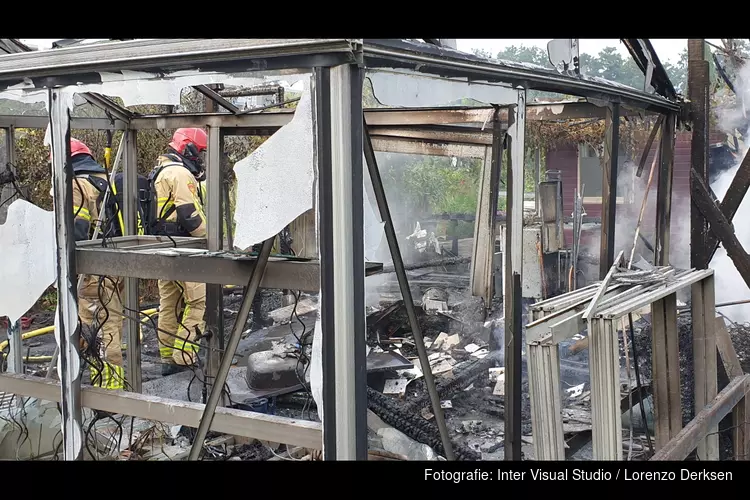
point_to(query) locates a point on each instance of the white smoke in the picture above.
(729, 284)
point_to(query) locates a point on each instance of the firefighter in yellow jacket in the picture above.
(179, 212)
(99, 303)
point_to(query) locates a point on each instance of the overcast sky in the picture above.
(668, 49)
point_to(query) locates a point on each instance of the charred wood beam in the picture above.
(215, 97)
(643, 52)
(722, 72)
(720, 226)
(251, 91)
(108, 106)
(652, 136)
(609, 189)
(698, 76)
(664, 190)
(731, 202)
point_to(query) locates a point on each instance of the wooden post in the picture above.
(741, 412)
(664, 192)
(513, 265)
(699, 107)
(609, 188)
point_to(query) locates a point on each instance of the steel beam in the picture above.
(170, 265)
(348, 259)
(226, 420)
(163, 55)
(27, 121)
(67, 332)
(131, 295)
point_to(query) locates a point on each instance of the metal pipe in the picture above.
(403, 283)
(68, 332)
(217, 388)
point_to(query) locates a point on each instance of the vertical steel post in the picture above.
(214, 293)
(67, 333)
(513, 258)
(348, 262)
(131, 302)
(609, 188)
(15, 354)
(322, 156)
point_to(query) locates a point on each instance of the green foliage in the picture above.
(433, 185)
(608, 64)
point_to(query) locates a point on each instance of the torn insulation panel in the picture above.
(376, 247)
(275, 183)
(409, 89)
(29, 251)
(316, 368)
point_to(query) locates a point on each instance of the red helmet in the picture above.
(76, 148)
(184, 136)
(79, 148)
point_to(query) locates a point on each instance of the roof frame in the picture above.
(445, 62)
(84, 63)
(643, 53)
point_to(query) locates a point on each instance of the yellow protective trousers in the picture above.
(181, 309)
(100, 308)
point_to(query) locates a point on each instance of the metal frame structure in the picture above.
(599, 307)
(338, 68)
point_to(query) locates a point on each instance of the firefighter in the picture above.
(178, 211)
(99, 303)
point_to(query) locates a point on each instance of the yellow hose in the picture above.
(49, 329)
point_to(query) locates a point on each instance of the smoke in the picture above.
(729, 283)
